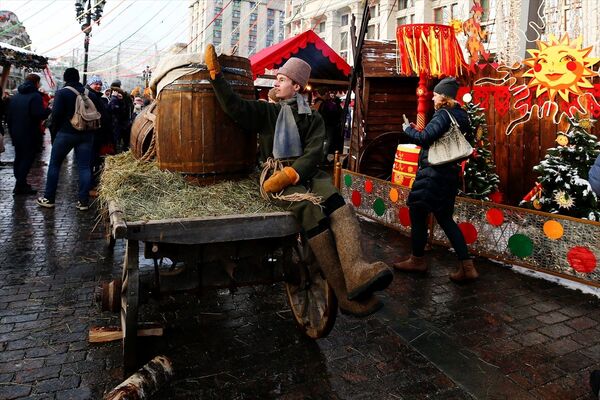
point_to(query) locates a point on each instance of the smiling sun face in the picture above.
(560, 66)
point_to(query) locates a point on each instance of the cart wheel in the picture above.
(376, 159)
(312, 301)
(129, 306)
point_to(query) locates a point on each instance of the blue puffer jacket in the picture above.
(436, 186)
(594, 176)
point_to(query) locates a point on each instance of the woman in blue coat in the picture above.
(435, 187)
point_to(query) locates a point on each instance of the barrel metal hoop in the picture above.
(183, 85)
(230, 70)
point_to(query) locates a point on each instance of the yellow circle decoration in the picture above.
(562, 140)
(537, 205)
(553, 229)
(393, 195)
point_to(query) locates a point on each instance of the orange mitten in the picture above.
(280, 180)
(210, 58)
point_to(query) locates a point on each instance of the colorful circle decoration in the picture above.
(348, 180)
(520, 245)
(581, 259)
(404, 216)
(469, 232)
(368, 186)
(356, 198)
(379, 207)
(394, 195)
(495, 217)
(553, 229)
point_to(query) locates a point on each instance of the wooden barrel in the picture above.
(142, 131)
(194, 135)
(405, 164)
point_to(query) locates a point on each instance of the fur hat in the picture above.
(447, 86)
(71, 75)
(94, 79)
(297, 70)
(116, 83)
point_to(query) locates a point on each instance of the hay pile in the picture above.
(145, 192)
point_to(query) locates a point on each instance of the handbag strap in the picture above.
(452, 120)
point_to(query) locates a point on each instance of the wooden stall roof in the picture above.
(19, 57)
(379, 59)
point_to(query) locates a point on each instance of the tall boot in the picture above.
(324, 249)
(362, 278)
(466, 272)
(412, 264)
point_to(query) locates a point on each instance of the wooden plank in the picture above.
(103, 334)
(117, 220)
(214, 229)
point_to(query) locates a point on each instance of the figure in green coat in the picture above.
(289, 131)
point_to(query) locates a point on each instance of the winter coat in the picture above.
(105, 131)
(26, 112)
(64, 108)
(435, 186)
(260, 116)
(594, 176)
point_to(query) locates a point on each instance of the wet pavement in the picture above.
(506, 336)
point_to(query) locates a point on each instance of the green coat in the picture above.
(261, 117)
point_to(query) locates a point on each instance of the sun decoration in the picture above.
(560, 67)
(562, 140)
(563, 200)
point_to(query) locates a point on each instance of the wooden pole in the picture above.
(145, 382)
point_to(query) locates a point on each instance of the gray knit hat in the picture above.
(297, 70)
(447, 86)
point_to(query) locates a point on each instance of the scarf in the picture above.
(286, 143)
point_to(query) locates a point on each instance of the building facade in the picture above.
(14, 33)
(239, 27)
(512, 25)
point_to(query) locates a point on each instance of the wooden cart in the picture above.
(228, 251)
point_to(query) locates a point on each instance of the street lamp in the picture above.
(147, 74)
(85, 15)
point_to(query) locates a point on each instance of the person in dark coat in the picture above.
(594, 176)
(331, 110)
(67, 139)
(436, 186)
(25, 115)
(290, 132)
(121, 109)
(103, 138)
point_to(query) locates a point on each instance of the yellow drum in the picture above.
(405, 164)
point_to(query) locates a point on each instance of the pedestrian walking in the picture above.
(436, 186)
(594, 176)
(25, 115)
(67, 139)
(290, 132)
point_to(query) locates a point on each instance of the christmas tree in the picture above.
(480, 179)
(562, 186)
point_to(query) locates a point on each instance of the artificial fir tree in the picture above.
(563, 186)
(480, 179)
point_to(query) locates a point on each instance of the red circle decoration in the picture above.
(356, 199)
(495, 217)
(497, 197)
(537, 67)
(404, 216)
(571, 65)
(468, 231)
(368, 186)
(581, 259)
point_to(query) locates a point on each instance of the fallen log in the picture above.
(145, 382)
(102, 334)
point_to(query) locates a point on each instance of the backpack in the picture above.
(86, 117)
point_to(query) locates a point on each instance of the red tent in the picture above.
(325, 62)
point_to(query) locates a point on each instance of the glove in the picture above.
(280, 180)
(210, 58)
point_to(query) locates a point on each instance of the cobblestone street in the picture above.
(505, 336)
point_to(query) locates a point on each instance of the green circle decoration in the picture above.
(348, 180)
(520, 245)
(379, 207)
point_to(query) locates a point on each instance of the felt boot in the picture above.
(466, 272)
(362, 278)
(324, 249)
(412, 264)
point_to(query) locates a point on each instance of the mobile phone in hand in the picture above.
(405, 119)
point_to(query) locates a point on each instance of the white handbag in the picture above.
(452, 146)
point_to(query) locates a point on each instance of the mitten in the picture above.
(280, 180)
(210, 58)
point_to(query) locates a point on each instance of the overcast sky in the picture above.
(141, 26)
